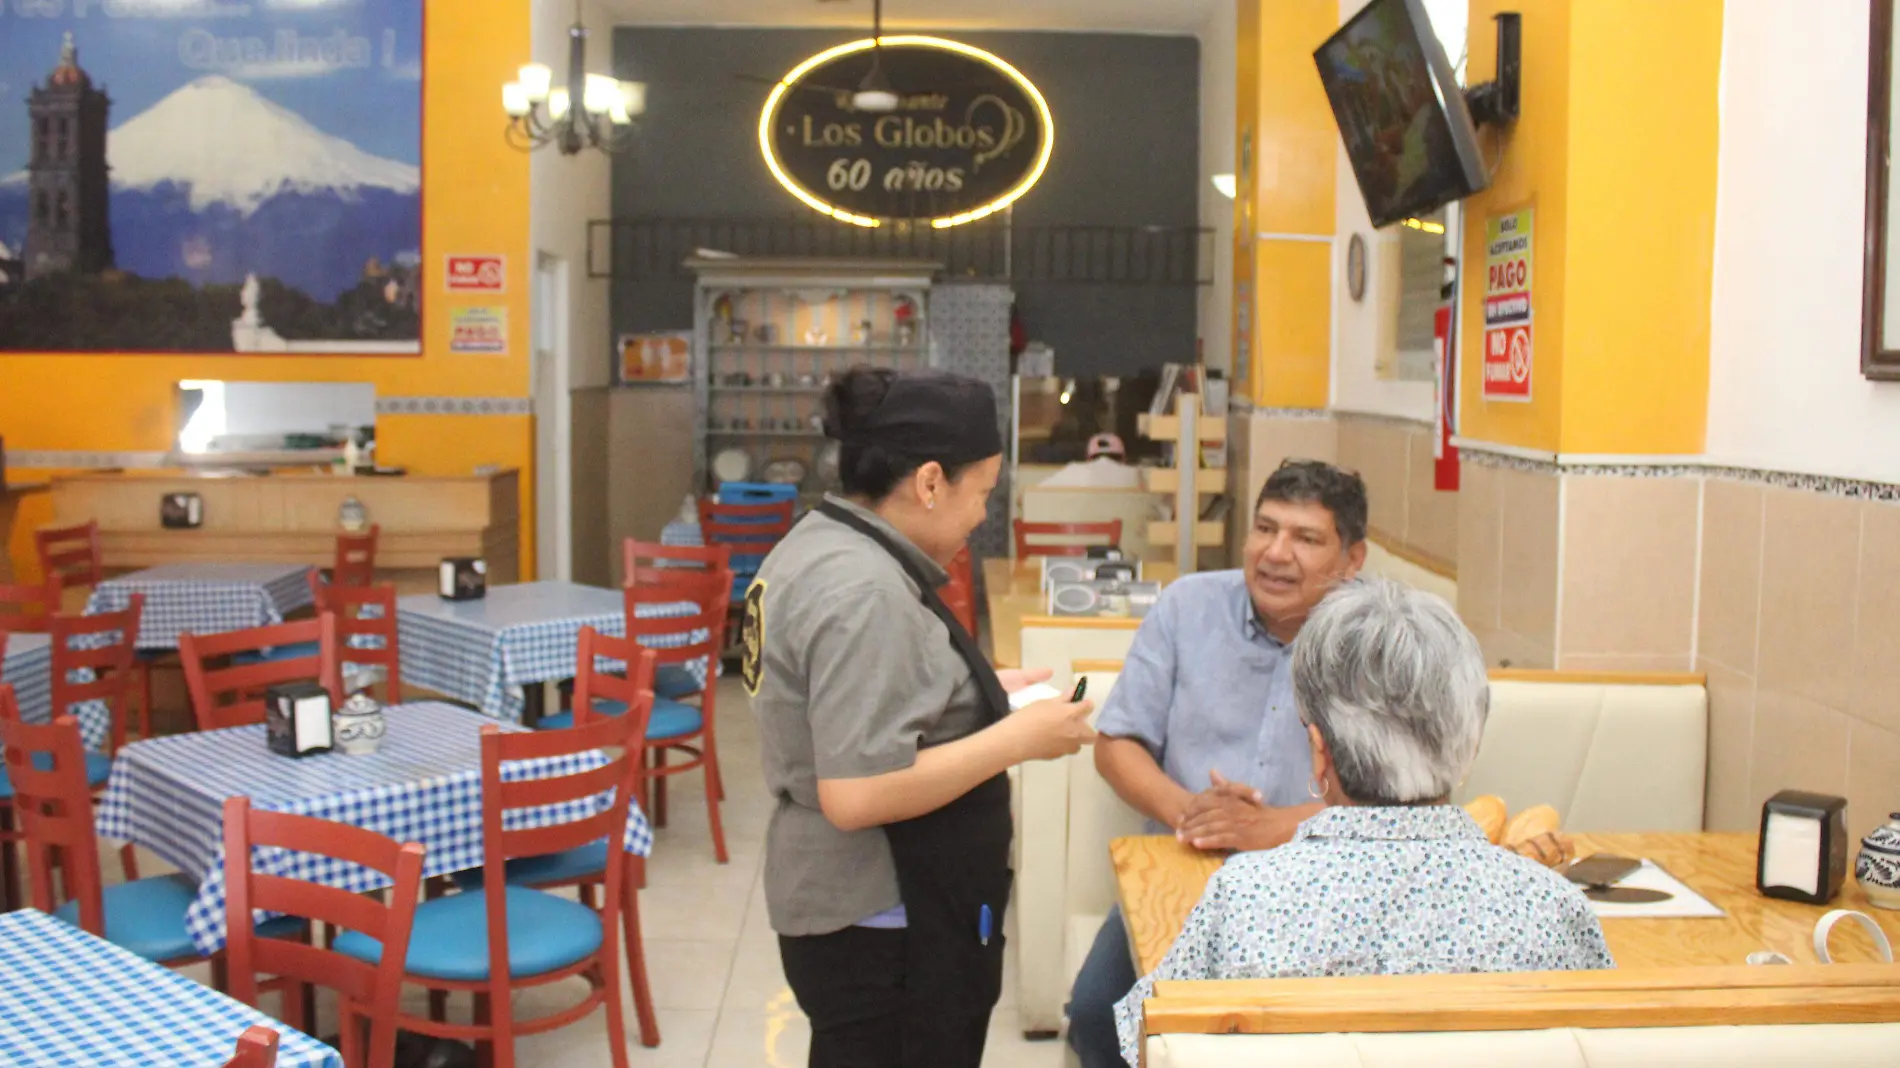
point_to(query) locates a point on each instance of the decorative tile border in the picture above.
(1293, 413)
(454, 406)
(1401, 421)
(84, 460)
(1826, 485)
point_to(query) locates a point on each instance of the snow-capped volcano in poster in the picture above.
(210, 175)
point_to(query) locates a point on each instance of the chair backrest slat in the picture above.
(106, 645)
(356, 558)
(351, 605)
(669, 560)
(26, 609)
(232, 696)
(70, 556)
(375, 986)
(46, 763)
(1064, 539)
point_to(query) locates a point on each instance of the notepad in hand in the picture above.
(1029, 695)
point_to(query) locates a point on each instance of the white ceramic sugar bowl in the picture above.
(1877, 869)
(359, 725)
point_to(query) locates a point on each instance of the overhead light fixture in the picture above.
(1425, 225)
(1228, 185)
(590, 111)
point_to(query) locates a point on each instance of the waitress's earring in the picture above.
(1316, 788)
(931, 503)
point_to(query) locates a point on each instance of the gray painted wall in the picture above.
(1127, 114)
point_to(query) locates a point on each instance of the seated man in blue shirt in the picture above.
(1200, 733)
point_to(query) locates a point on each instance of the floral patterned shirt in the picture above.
(1377, 891)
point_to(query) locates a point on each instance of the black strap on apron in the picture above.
(952, 871)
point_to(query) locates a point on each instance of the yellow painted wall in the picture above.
(1615, 148)
(1644, 126)
(475, 200)
(1246, 192)
(1530, 169)
(1295, 152)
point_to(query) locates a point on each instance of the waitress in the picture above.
(886, 735)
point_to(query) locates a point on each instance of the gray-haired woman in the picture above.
(1390, 879)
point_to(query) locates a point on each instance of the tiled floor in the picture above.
(722, 999)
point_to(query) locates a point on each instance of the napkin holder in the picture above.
(297, 719)
(1803, 854)
(181, 511)
(463, 578)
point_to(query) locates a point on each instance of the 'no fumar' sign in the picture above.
(1507, 306)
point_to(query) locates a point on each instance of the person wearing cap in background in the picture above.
(885, 735)
(1103, 469)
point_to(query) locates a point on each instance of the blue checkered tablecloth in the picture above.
(27, 666)
(205, 598)
(70, 999)
(424, 785)
(484, 651)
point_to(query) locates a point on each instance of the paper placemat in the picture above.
(1683, 903)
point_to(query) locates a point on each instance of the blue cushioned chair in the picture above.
(674, 726)
(46, 764)
(498, 936)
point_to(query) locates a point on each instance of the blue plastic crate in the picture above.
(756, 493)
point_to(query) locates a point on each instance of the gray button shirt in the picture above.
(855, 675)
(1206, 688)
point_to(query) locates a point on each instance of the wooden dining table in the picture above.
(1159, 881)
(1013, 591)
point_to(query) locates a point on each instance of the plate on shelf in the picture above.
(785, 472)
(732, 465)
(828, 465)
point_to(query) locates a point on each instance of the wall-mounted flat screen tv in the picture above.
(1401, 112)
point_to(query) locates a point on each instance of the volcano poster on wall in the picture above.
(211, 176)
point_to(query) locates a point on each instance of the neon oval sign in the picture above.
(961, 151)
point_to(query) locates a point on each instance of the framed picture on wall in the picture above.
(260, 191)
(1880, 305)
(655, 359)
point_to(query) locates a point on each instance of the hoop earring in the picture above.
(1316, 788)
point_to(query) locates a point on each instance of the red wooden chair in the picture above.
(1064, 539)
(366, 993)
(586, 867)
(672, 681)
(70, 557)
(676, 725)
(26, 609)
(256, 1048)
(233, 696)
(355, 558)
(492, 941)
(104, 648)
(46, 765)
(350, 604)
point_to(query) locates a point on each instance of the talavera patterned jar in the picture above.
(359, 725)
(1877, 869)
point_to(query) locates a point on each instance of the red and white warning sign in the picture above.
(1507, 307)
(477, 274)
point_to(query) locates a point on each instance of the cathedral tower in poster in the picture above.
(69, 228)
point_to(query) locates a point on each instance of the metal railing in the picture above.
(994, 249)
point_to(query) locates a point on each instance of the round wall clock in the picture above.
(1356, 268)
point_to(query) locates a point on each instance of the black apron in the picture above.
(951, 864)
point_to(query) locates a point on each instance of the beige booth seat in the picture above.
(1842, 1016)
(1612, 752)
(1410, 570)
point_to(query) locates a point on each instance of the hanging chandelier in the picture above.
(591, 110)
